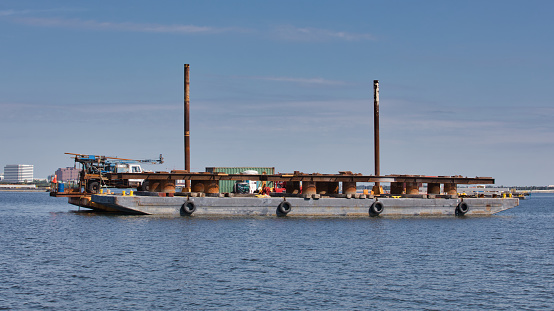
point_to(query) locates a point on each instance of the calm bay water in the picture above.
(52, 257)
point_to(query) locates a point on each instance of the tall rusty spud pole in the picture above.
(377, 188)
(187, 128)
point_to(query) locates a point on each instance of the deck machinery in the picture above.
(94, 169)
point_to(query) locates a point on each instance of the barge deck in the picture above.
(305, 195)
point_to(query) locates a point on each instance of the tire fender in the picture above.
(284, 208)
(462, 208)
(376, 208)
(188, 208)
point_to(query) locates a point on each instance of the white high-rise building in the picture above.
(18, 173)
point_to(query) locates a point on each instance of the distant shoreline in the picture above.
(541, 191)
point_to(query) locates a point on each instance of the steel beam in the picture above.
(304, 177)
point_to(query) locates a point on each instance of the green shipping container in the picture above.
(226, 186)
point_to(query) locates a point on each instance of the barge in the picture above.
(299, 207)
(305, 195)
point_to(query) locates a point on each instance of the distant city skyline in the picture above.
(465, 86)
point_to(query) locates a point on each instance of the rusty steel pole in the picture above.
(376, 131)
(187, 128)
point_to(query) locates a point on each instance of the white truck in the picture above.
(130, 168)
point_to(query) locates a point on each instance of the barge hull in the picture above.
(301, 207)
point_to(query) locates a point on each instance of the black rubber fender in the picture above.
(462, 208)
(376, 208)
(284, 208)
(188, 208)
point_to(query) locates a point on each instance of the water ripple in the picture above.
(54, 259)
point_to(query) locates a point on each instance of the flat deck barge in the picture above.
(301, 207)
(306, 195)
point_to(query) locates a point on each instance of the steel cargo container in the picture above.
(226, 186)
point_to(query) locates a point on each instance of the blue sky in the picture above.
(465, 86)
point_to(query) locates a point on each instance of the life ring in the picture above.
(462, 208)
(188, 208)
(376, 208)
(284, 208)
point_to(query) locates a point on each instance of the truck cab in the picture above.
(130, 168)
